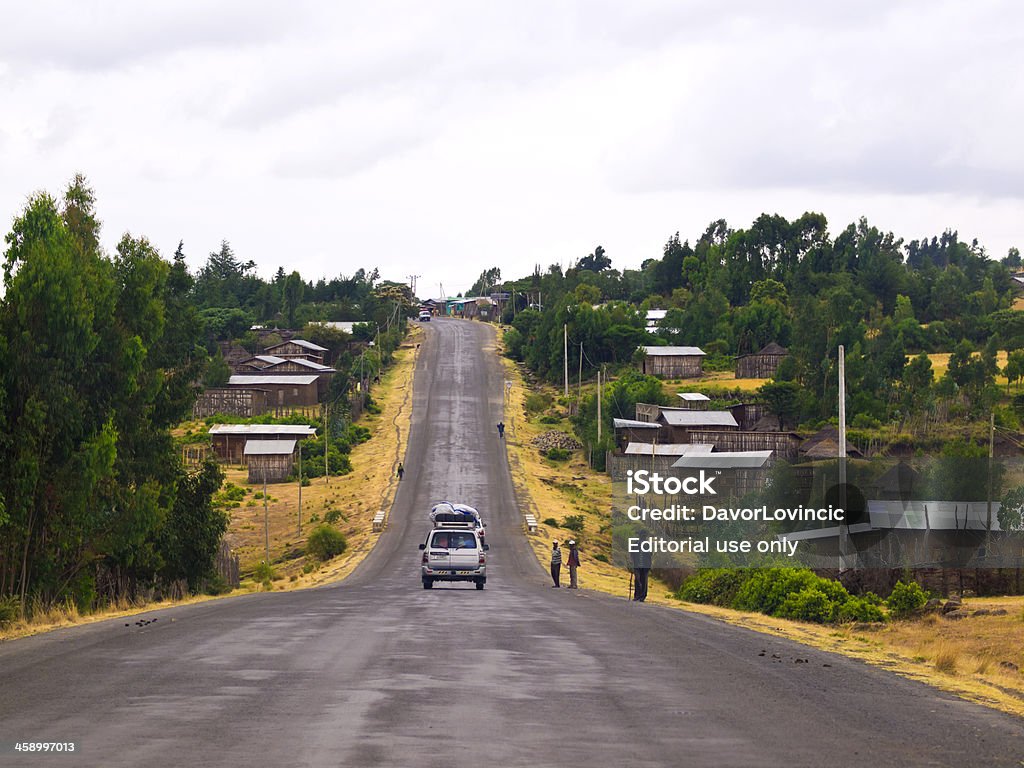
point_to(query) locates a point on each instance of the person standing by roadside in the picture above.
(401, 471)
(641, 570)
(501, 429)
(556, 564)
(573, 563)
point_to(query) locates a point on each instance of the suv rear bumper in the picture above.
(457, 574)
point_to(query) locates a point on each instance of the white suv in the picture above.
(454, 552)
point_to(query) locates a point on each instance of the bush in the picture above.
(809, 604)
(713, 586)
(557, 454)
(332, 516)
(861, 609)
(263, 572)
(325, 542)
(550, 521)
(549, 419)
(906, 599)
(601, 558)
(537, 402)
(573, 523)
(216, 585)
(10, 610)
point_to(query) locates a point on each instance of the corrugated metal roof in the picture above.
(725, 460)
(668, 449)
(909, 515)
(685, 418)
(309, 364)
(673, 351)
(269, 447)
(302, 343)
(634, 424)
(272, 359)
(694, 397)
(303, 430)
(243, 380)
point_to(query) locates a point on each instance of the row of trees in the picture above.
(100, 356)
(736, 290)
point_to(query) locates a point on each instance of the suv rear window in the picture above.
(453, 540)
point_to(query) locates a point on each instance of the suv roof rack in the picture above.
(449, 520)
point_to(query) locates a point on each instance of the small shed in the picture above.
(635, 431)
(270, 461)
(761, 365)
(673, 362)
(694, 401)
(824, 444)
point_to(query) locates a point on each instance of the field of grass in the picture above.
(940, 364)
(357, 496)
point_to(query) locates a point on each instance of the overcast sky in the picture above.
(441, 138)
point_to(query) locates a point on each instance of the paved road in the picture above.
(379, 672)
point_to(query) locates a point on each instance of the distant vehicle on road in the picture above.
(424, 316)
(454, 550)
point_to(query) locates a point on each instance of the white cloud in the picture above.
(441, 139)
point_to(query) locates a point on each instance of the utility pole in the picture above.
(579, 382)
(844, 529)
(598, 406)
(266, 515)
(327, 433)
(300, 487)
(565, 355)
(991, 457)
(412, 283)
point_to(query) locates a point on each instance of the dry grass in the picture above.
(719, 379)
(358, 495)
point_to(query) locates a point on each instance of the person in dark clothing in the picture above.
(556, 564)
(641, 570)
(573, 563)
(401, 471)
(501, 429)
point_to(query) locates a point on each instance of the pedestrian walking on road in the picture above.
(556, 564)
(574, 563)
(401, 471)
(641, 570)
(501, 429)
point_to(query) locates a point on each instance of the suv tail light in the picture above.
(425, 559)
(482, 559)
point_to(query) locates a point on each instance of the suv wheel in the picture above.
(480, 584)
(427, 582)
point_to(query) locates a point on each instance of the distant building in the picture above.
(281, 390)
(761, 365)
(298, 348)
(654, 318)
(678, 423)
(694, 401)
(629, 431)
(673, 362)
(270, 461)
(229, 440)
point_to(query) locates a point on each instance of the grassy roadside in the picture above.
(357, 496)
(977, 658)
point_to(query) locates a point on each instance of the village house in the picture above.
(678, 423)
(282, 390)
(694, 401)
(298, 348)
(761, 365)
(673, 362)
(228, 441)
(234, 401)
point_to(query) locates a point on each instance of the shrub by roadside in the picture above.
(787, 593)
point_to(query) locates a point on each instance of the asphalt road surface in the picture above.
(380, 672)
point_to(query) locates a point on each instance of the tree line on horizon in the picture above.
(888, 302)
